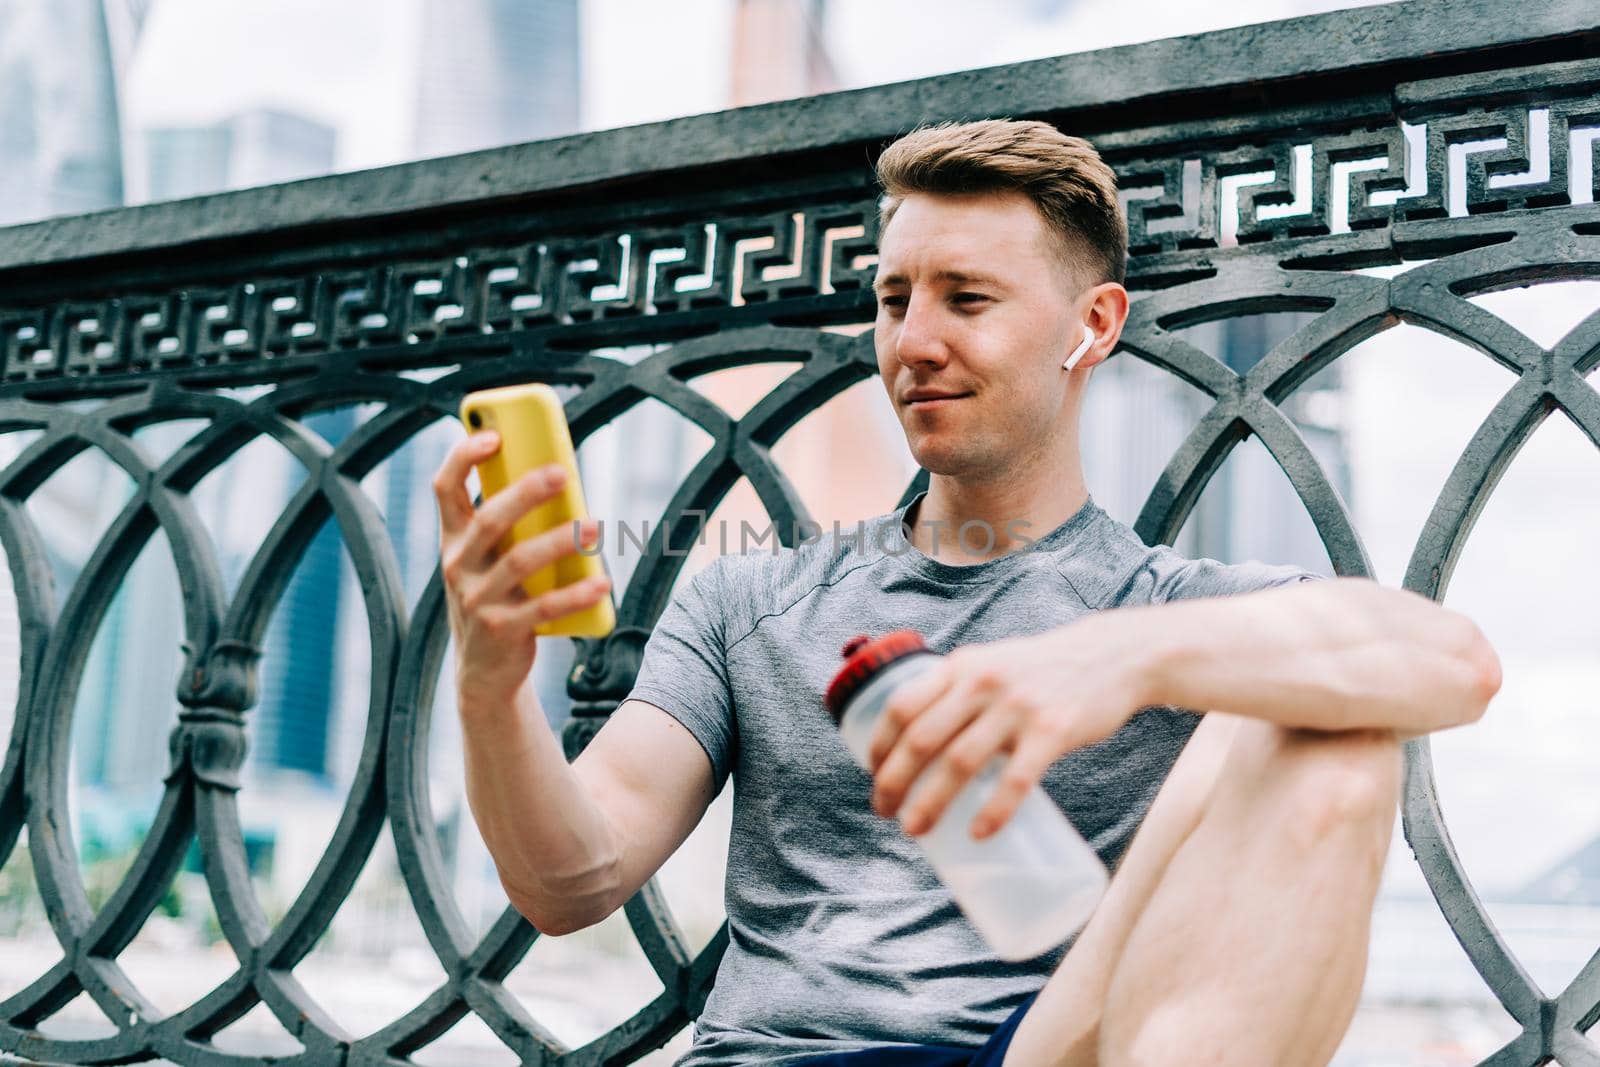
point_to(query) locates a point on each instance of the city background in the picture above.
(112, 102)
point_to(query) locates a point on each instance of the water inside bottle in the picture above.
(1028, 887)
(1044, 906)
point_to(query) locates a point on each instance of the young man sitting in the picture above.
(1235, 927)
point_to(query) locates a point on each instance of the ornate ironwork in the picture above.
(1261, 166)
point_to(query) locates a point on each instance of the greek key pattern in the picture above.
(531, 286)
(1181, 209)
(1353, 171)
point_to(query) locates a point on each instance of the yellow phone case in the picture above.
(533, 432)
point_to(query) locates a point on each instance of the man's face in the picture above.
(973, 300)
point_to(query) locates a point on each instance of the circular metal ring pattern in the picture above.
(1434, 295)
(1353, 308)
(407, 653)
(91, 941)
(31, 583)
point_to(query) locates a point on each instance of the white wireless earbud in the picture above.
(1083, 346)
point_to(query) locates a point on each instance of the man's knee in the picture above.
(1342, 785)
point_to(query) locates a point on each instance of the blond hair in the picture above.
(1064, 176)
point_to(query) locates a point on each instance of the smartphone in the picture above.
(533, 433)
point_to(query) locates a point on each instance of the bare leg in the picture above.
(1235, 930)
(1063, 1026)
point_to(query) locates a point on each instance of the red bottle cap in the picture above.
(865, 657)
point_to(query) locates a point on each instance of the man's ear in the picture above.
(1105, 313)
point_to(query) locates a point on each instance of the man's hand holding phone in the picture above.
(491, 617)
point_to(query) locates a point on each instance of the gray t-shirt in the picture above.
(841, 936)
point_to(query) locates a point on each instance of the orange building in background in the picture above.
(847, 460)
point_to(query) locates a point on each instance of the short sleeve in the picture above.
(1167, 576)
(684, 671)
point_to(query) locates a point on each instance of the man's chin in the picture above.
(946, 462)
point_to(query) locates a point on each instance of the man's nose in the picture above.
(920, 338)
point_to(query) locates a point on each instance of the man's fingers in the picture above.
(529, 557)
(919, 744)
(450, 482)
(563, 601)
(500, 512)
(1022, 772)
(905, 705)
(957, 765)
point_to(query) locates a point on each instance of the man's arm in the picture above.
(1347, 654)
(570, 844)
(573, 843)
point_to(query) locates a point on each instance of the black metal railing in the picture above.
(529, 262)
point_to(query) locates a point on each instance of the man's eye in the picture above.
(970, 298)
(892, 300)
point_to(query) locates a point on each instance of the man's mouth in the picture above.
(935, 401)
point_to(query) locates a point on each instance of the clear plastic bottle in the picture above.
(1027, 887)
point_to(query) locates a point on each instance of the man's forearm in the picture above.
(555, 851)
(1338, 655)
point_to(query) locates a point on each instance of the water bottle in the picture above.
(1027, 887)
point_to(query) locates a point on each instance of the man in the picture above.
(1235, 926)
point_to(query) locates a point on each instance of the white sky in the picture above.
(350, 64)
(199, 62)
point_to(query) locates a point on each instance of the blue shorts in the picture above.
(991, 1054)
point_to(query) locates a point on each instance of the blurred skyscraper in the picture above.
(60, 126)
(303, 658)
(495, 72)
(289, 725)
(259, 147)
(779, 52)
(61, 152)
(1135, 418)
(1254, 514)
